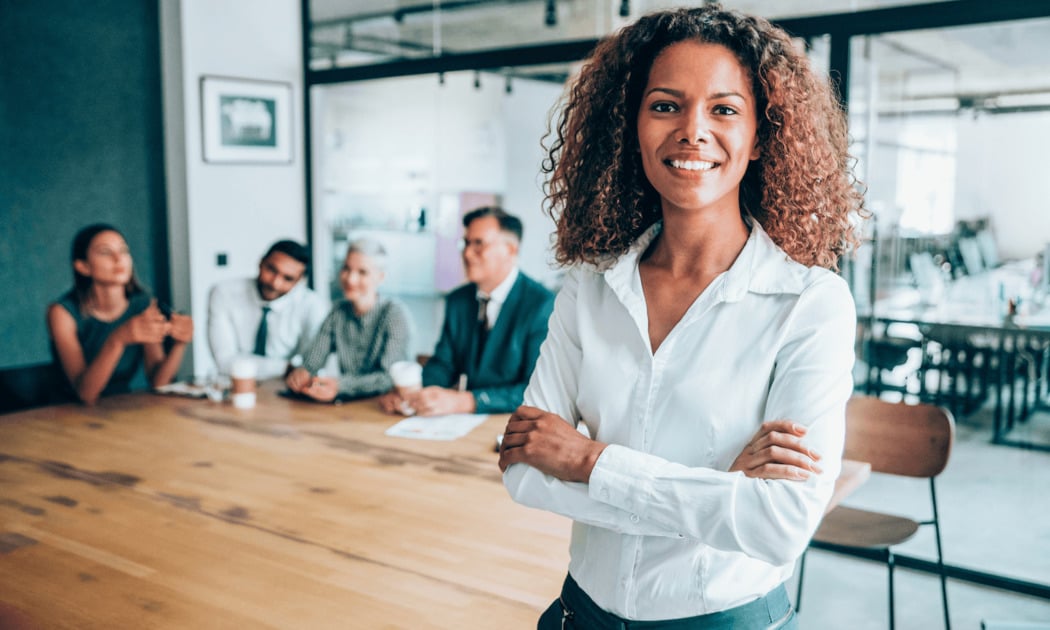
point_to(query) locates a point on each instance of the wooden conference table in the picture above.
(149, 511)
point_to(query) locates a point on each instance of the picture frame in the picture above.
(246, 121)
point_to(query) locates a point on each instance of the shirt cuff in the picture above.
(613, 483)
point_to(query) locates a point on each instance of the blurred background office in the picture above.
(402, 115)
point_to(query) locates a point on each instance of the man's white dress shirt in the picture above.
(498, 297)
(234, 313)
(662, 531)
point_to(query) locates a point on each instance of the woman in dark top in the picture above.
(107, 327)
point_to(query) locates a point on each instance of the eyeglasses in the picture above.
(476, 244)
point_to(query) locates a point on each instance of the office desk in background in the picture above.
(160, 512)
(965, 332)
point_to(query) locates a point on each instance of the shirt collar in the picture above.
(760, 268)
(279, 303)
(500, 293)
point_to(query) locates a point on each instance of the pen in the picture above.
(462, 387)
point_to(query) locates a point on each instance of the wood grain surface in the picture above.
(159, 512)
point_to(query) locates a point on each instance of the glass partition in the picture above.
(401, 160)
(946, 125)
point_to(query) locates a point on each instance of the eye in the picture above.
(725, 110)
(663, 107)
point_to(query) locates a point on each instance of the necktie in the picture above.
(483, 323)
(260, 335)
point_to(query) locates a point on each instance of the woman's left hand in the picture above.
(548, 443)
(323, 388)
(776, 452)
(181, 328)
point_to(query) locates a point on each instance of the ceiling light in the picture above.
(550, 15)
(625, 8)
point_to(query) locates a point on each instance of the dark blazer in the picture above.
(498, 380)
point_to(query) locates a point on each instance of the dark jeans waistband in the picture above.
(768, 612)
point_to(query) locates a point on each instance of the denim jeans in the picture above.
(575, 610)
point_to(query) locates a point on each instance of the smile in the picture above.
(691, 165)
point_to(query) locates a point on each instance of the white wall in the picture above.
(387, 146)
(525, 116)
(1003, 171)
(236, 209)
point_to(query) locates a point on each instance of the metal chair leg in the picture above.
(889, 566)
(940, 555)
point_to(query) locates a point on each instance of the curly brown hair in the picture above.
(801, 189)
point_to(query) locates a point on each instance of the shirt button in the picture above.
(634, 518)
(605, 493)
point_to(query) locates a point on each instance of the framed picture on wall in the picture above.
(246, 121)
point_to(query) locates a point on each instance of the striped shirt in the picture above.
(366, 345)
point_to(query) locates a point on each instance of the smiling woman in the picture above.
(703, 220)
(369, 333)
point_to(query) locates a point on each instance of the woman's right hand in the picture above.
(776, 452)
(298, 379)
(149, 326)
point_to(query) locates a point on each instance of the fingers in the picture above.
(524, 419)
(783, 433)
(783, 441)
(321, 388)
(390, 403)
(298, 379)
(780, 455)
(777, 463)
(778, 471)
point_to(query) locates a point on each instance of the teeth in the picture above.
(692, 165)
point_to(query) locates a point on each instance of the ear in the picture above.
(513, 245)
(82, 267)
(756, 151)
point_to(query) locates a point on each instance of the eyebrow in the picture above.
(680, 94)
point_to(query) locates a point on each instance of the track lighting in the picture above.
(507, 86)
(625, 8)
(477, 80)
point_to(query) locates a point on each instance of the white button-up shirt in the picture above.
(498, 297)
(234, 313)
(662, 530)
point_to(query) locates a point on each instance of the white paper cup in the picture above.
(242, 373)
(408, 379)
(407, 376)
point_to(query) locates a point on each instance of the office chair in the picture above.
(896, 439)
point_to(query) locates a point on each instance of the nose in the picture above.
(695, 129)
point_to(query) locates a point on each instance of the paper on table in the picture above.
(437, 427)
(181, 388)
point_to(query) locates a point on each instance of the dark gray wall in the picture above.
(80, 142)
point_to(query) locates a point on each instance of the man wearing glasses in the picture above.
(493, 328)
